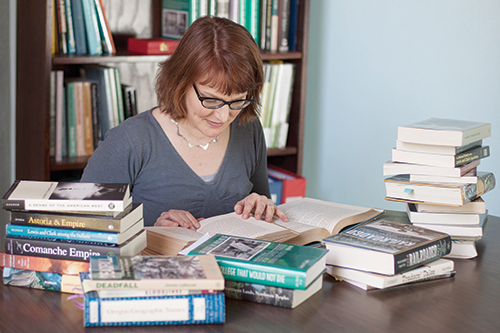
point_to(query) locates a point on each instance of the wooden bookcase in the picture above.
(35, 62)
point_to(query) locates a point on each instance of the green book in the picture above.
(268, 263)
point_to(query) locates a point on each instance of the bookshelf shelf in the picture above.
(35, 62)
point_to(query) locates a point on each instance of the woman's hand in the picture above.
(260, 206)
(177, 218)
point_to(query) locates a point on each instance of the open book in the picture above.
(309, 220)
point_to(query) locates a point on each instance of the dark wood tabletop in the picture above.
(468, 302)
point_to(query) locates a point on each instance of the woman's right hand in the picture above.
(177, 218)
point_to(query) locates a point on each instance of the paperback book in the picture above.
(397, 168)
(41, 280)
(270, 263)
(66, 196)
(476, 206)
(436, 149)
(276, 296)
(446, 218)
(154, 272)
(43, 264)
(386, 247)
(436, 269)
(73, 250)
(440, 160)
(77, 221)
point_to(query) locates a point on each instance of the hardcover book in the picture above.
(152, 45)
(72, 250)
(76, 221)
(440, 160)
(476, 206)
(41, 280)
(399, 188)
(154, 272)
(43, 264)
(270, 263)
(448, 218)
(435, 149)
(439, 268)
(276, 296)
(32, 195)
(23, 231)
(386, 247)
(396, 168)
(444, 132)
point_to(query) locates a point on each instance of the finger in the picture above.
(278, 212)
(185, 219)
(162, 221)
(270, 211)
(262, 207)
(238, 208)
(249, 205)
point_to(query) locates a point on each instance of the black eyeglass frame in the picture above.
(223, 102)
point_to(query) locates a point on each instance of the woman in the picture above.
(201, 152)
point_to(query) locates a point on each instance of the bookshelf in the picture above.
(35, 62)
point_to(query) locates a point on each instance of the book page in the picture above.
(183, 234)
(308, 213)
(234, 225)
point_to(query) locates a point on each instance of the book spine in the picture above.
(268, 275)
(292, 29)
(485, 183)
(144, 311)
(80, 251)
(62, 234)
(71, 118)
(41, 280)
(259, 293)
(422, 255)
(284, 26)
(96, 119)
(64, 221)
(79, 27)
(70, 27)
(42, 264)
(62, 29)
(91, 27)
(108, 44)
(472, 155)
(73, 205)
(87, 119)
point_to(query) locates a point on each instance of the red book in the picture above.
(152, 45)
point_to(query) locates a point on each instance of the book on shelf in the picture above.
(476, 206)
(153, 273)
(156, 45)
(101, 74)
(154, 310)
(41, 280)
(96, 113)
(273, 44)
(270, 263)
(462, 249)
(55, 32)
(129, 100)
(386, 247)
(23, 231)
(88, 134)
(309, 220)
(31, 195)
(62, 29)
(270, 295)
(437, 269)
(73, 250)
(436, 149)
(446, 218)
(468, 178)
(440, 160)
(79, 221)
(276, 188)
(42, 264)
(396, 168)
(399, 188)
(281, 105)
(107, 42)
(60, 118)
(70, 27)
(292, 30)
(72, 103)
(52, 128)
(284, 25)
(79, 27)
(94, 45)
(294, 185)
(444, 132)
(177, 16)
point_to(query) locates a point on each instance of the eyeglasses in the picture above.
(217, 103)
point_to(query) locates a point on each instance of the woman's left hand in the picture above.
(260, 206)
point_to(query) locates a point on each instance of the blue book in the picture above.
(70, 27)
(79, 27)
(276, 187)
(104, 104)
(74, 235)
(153, 310)
(292, 30)
(92, 27)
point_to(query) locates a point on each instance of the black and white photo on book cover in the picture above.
(239, 248)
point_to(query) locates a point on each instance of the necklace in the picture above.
(190, 145)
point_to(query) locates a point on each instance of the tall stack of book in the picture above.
(434, 171)
(266, 272)
(388, 252)
(55, 228)
(153, 290)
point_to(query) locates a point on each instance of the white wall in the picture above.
(376, 65)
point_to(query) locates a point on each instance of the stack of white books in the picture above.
(434, 171)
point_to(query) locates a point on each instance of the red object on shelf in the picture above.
(155, 46)
(294, 186)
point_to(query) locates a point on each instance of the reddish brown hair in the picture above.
(222, 54)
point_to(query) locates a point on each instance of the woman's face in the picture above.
(209, 122)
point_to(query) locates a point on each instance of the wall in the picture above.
(376, 65)
(7, 107)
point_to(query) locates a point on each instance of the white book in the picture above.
(397, 168)
(462, 250)
(427, 271)
(477, 206)
(440, 160)
(465, 219)
(469, 178)
(435, 149)
(455, 230)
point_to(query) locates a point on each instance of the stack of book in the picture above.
(434, 171)
(81, 27)
(266, 272)
(386, 253)
(153, 290)
(55, 228)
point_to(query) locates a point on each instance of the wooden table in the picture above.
(469, 302)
